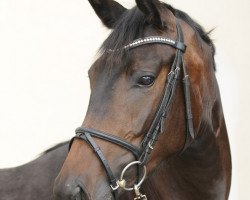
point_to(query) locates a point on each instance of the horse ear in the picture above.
(108, 11)
(152, 8)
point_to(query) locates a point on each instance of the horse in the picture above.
(35, 179)
(184, 171)
(154, 128)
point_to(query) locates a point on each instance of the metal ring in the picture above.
(142, 179)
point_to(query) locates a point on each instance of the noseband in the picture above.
(142, 152)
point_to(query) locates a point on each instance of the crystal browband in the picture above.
(151, 40)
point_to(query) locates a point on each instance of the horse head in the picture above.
(139, 109)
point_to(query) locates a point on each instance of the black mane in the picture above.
(128, 28)
(192, 23)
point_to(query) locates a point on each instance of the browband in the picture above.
(154, 40)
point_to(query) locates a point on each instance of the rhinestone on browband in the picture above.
(151, 39)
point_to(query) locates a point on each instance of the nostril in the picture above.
(79, 194)
(69, 192)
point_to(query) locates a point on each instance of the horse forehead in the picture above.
(108, 64)
(149, 52)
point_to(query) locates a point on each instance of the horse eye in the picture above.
(146, 80)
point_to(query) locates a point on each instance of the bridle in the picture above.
(142, 152)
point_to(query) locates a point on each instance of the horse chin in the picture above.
(108, 196)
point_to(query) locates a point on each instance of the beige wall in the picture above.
(47, 46)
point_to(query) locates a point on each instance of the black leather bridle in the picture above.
(142, 152)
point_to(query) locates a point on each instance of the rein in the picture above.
(142, 152)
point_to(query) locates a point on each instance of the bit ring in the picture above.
(142, 179)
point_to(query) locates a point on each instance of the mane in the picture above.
(128, 28)
(131, 26)
(55, 147)
(196, 27)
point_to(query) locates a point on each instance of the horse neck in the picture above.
(203, 171)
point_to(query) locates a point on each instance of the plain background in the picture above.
(47, 46)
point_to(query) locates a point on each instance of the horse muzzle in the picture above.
(69, 191)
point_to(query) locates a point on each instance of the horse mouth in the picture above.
(81, 194)
(108, 196)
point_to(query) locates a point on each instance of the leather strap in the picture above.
(158, 122)
(111, 138)
(87, 137)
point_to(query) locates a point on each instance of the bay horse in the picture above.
(154, 128)
(126, 89)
